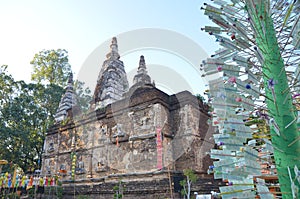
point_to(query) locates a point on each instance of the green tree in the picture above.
(48, 98)
(5, 82)
(118, 189)
(51, 67)
(23, 122)
(84, 95)
(27, 110)
(191, 177)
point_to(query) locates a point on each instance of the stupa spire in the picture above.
(142, 64)
(114, 52)
(68, 104)
(112, 81)
(142, 76)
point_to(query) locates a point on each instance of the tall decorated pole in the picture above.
(284, 133)
(254, 92)
(73, 159)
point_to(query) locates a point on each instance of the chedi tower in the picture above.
(139, 138)
(112, 81)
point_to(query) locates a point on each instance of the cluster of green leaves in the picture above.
(201, 98)
(190, 177)
(27, 109)
(118, 189)
(51, 67)
(26, 112)
(84, 95)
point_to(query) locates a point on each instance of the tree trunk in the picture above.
(189, 186)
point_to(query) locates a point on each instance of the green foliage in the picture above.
(191, 177)
(204, 101)
(51, 67)
(183, 184)
(27, 109)
(118, 189)
(26, 112)
(53, 191)
(11, 196)
(50, 191)
(200, 97)
(189, 173)
(84, 95)
(30, 192)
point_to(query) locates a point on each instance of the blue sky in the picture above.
(82, 26)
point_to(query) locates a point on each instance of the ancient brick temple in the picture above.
(137, 138)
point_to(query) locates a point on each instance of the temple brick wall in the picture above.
(122, 136)
(122, 139)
